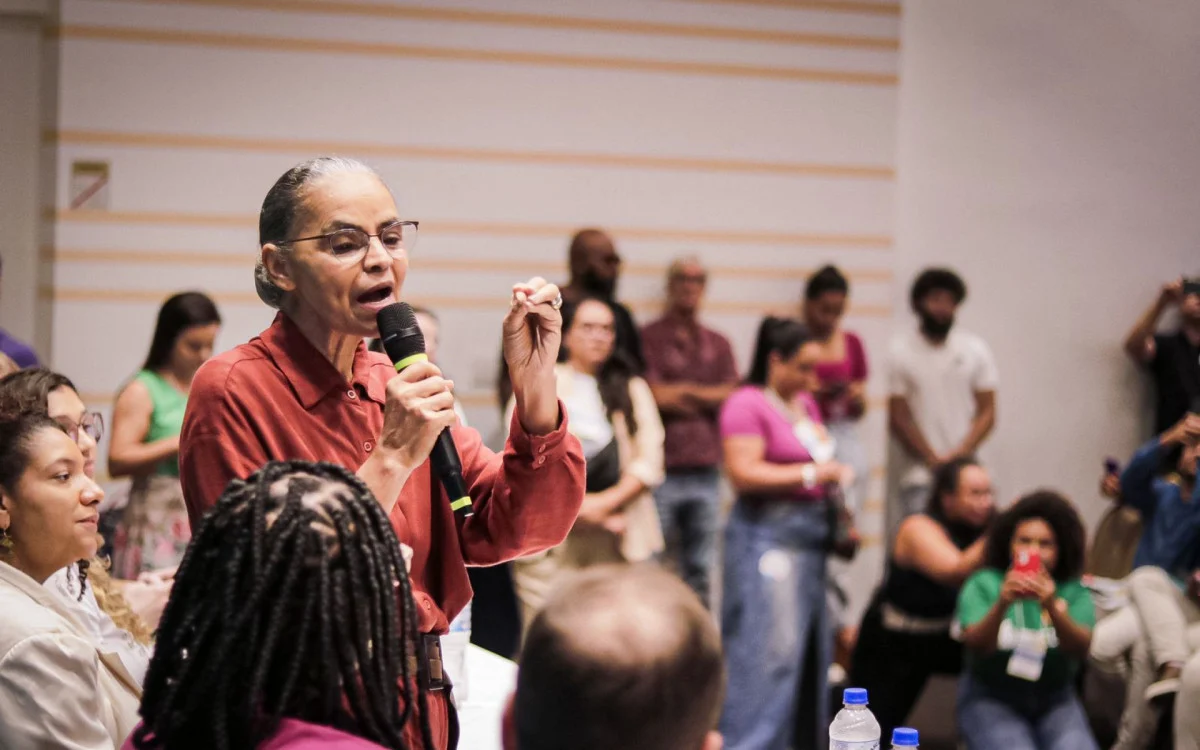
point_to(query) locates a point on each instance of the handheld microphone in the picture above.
(402, 340)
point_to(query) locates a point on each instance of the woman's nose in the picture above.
(92, 493)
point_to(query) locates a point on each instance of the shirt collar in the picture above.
(38, 593)
(310, 374)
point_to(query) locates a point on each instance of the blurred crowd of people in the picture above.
(282, 565)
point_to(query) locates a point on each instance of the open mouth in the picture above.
(376, 295)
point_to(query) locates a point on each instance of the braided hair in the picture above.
(293, 600)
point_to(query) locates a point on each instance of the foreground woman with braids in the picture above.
(58, 687)
(291, 624)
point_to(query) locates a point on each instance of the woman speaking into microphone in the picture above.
(334, 253)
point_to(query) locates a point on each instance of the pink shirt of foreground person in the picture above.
(294, 734)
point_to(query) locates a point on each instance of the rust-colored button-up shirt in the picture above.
(277, 398)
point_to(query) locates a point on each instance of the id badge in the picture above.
(1029, 656)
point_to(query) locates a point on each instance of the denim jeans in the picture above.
(852, 452)
(1024, 718)
(775, 627)
(687, 508)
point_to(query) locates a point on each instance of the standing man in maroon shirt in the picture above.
(691, 370)
(335, 252)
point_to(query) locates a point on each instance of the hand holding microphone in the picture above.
(420, 406)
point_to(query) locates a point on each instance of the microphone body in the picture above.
(402, 341)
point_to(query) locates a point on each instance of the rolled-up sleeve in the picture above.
(647, 463)
(525, 499)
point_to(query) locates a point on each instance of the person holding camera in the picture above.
(1172, 358)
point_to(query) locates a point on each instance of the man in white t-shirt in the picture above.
(942, 393)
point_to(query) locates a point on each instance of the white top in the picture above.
(133, 655)
(589, 417)
(939, 381)
(58, 689)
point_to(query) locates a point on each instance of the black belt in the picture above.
(428, 664)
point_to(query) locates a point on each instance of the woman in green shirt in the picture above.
(147, 418)
(1027, 624)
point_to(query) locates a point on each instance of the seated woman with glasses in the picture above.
(58, 687)
(153, 530)
(102, 605)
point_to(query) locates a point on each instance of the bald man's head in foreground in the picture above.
(620, 657)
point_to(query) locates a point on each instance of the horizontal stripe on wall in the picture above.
(550, 22)
(260, 43)
(577, 159)
(830, 6)
(64, 294)
(511, 267)
(470, 400)
(498, 229)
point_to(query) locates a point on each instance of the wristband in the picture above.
(808, 475)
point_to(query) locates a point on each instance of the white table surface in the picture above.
(491, 680)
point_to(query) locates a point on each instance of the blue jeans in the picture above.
(1024, 718)
(687, 508)
(775, 627)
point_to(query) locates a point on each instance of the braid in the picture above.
(82, 567)
(292, 600)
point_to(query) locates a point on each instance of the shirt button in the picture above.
(428, 606)
(541, 460)
(367, 446)
(351, 394)
(542, 449)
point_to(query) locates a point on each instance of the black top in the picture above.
(914, 593)
(1176, 370)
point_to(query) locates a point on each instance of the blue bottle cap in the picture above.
(854, 697)
(904, 737)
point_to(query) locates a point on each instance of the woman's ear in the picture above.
(277, 263)
(5, 504)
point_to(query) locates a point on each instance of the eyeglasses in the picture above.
(350, 245)
(92, 424)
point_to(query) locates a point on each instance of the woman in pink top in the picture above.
(779, 460)
(841, 370)
(841, 395)
(291, 624)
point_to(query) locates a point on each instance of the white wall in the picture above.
(760, 137)
(21, 90)
(1051, 153)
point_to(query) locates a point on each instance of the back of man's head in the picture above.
(620, 657)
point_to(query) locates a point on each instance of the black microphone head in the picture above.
(398, 331)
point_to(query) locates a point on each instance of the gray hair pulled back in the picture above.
(283, 207)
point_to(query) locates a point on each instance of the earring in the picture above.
(6, 541)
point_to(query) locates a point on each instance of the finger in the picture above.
(412, 393)
(415, 372)
(546, 293)
(537, 283)
(436, 403)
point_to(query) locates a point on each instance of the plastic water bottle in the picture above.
(903, 737)
(854, 727)
(454, 652)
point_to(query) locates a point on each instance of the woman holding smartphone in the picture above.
(1027, 624)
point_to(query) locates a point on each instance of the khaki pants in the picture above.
(1160, 626)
